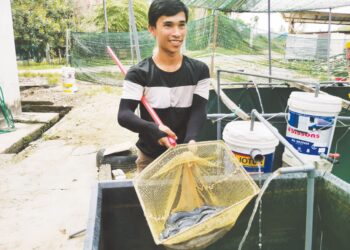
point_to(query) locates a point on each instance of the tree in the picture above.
(39, 25)
(118, 15)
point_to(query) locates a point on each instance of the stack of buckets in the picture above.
(69, 84)
(241, 140)
(310, 126)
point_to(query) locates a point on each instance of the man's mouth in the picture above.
(176, 42)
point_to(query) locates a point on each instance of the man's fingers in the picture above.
(164, 141)
(168, 131)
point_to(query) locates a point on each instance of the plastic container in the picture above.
(69, 83)
(310, 126)
(242, 141)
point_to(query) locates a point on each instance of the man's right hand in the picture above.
(164, 141)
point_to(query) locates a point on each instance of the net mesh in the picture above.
(262, 5)
(189, 177)
(238, 46)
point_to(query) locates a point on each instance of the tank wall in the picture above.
(8, 65)
(123, 225)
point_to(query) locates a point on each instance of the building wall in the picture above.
(8, 65)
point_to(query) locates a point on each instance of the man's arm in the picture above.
(197, 119)
(198, 113)
(133, 88)
(128, 119)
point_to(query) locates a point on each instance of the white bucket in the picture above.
(69, 84)
(242, 141)
(310, 126)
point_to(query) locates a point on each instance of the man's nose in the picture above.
(176, 31)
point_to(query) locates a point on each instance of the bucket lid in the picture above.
(307, 101)
(237, 133)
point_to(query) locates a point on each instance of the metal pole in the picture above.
(310, 180)
(329, 44)
(269, 36)
(134, 30)
(215, 36)
(310, 192)
(270, 77)
(105, 14)
(309, 209)
(131, 42)
(218, 125)
(67, 45)
(266, 115)
(252, 120)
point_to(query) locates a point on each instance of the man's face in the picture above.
(170, 32)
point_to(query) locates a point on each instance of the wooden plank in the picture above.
(306, 88)
(230, 104)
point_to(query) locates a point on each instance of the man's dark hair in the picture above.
(160, 8)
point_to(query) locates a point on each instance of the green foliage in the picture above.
(30, 65)
(118, 15)
(52, 78)
(38, 23)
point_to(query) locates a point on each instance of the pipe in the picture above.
(256, 155)
(218, 125)
(310, 192)
(295, 153)
(309, 169)
(309, 208)
(302, 169)
(269, 36)
(329, 43)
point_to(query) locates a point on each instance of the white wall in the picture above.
(8, 66)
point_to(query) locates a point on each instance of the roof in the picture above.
(317, 17)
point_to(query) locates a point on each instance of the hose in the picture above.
(7, 115)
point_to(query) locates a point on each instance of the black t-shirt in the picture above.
(179, 98)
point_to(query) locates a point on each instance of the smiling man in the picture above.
(177, 87)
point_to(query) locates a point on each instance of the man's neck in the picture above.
(168, 62)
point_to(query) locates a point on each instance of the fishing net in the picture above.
(186, 180)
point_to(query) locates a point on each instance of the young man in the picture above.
(176, 86)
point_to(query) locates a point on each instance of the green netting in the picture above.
(6, 114)
(262, 5)
(237, 47)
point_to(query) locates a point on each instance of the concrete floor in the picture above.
(45, 189)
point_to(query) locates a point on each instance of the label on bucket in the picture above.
(309, 134)
(251, 166)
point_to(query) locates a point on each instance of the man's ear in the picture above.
(152, 30)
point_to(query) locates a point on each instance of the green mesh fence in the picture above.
(237, 47)
(262, 5)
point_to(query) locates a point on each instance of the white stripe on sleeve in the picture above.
(132, 91)
(202, 88)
